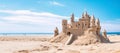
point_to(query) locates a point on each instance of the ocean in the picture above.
(113, 33)
(26, 34)
(45, 34)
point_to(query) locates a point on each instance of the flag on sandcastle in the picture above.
(82, 32)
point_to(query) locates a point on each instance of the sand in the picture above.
(40, 44)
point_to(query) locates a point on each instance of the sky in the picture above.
(42, 16)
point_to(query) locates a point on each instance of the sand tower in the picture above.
(82, 32)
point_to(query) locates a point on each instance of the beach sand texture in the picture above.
(40, 44)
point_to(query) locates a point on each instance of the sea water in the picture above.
(113, 33)
(26, 34)
(45, 34)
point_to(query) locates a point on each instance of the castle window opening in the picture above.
(68, 33)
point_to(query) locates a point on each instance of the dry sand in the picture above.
(40, 44)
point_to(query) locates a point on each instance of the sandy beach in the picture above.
(59, 26)
(40, 44)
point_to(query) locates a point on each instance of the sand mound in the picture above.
(62, 38)
(86, 38)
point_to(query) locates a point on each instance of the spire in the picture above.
(97, 22)
(72, 14)
(104, 33)
(72, 17)
(92, 21)
(85, 14)
(56, 32)
(92, 17)
(56, 28)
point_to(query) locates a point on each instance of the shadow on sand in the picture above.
(114, 42)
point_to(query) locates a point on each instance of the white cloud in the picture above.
(28, 12)
(44, 20)
(39, 21)
(110, 27)
(26, 16)
(56, 3)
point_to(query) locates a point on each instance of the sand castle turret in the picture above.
(56, 32)
(72, 17)
(85, 14)
(104, 35)
(64, 26)
(82, 32)
(97, 23)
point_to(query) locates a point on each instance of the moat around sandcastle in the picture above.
(82, 32)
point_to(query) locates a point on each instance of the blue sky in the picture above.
(26, 16)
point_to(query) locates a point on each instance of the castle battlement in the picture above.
(78, 27)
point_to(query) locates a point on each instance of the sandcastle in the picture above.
(82, 32)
